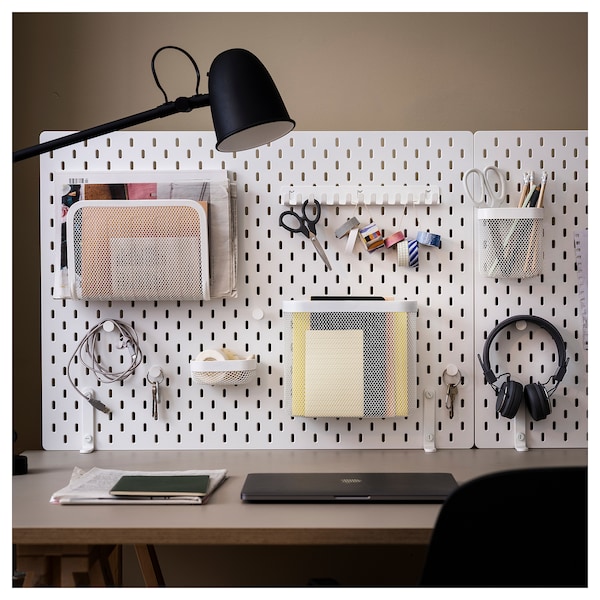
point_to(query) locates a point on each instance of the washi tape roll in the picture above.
(229, 354)
(371, 237)
(392, 240)
(351, 240)
(403, 259)
(429, 239)
(348, 226)
(211, 355)
(413, 253)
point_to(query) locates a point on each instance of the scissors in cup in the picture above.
(490, 193)
(305, 225)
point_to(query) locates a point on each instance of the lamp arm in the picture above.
(164, 110)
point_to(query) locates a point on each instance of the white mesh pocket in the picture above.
(510, 242)
(350, 359)
(138, 250)
(223, 372)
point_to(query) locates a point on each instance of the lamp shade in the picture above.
(247, 109)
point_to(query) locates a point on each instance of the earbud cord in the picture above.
(86, 351)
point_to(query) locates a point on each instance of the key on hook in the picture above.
(155, 377)
(451, 378)
(450, 393)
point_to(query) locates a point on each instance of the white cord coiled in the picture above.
(87, 354)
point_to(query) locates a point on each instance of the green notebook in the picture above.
(161, 485)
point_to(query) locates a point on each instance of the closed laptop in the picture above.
(348, 487)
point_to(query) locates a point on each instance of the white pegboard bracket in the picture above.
(87, 423)
(520, 429)
(429, 420)
(368, 195)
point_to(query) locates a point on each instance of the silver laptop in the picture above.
(348, 487)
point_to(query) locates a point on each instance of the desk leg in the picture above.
(70, 566)
(149, 565)
(40, 571)
(106, 566)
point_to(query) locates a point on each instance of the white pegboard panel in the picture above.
(530, 356)
(273, 266)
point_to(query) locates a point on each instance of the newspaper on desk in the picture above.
(93, 487)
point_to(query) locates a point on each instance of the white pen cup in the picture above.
(510, 242)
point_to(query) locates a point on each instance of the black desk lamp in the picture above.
(247, 109)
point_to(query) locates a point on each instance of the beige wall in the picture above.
(336, 71)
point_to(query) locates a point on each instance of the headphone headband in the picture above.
(547, 326)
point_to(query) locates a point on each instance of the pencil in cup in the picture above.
(532, 259)
(527, 184)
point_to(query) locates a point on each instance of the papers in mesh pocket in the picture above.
(210, 188)
(350, 358)
(142, 250)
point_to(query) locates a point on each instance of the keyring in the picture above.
(451, 378)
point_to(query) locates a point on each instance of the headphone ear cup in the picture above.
(509, 398)
(536, 400)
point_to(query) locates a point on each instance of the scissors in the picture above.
(306, 226)
(490, 194)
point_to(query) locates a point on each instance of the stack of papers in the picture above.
(94, 487)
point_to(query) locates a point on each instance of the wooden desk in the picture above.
(225, 520)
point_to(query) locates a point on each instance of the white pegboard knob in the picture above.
(155, 373)
(452, 370)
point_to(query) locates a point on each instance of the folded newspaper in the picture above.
(93, 487)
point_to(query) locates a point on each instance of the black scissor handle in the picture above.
(312, 220)
(299, 228)
(317, 214)
(304, 222)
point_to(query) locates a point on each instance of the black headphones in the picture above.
(510, 393)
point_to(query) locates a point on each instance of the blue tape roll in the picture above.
(429, 239)
(413, 253)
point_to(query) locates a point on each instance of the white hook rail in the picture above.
(340, 195)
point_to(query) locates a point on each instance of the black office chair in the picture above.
(519, 528)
